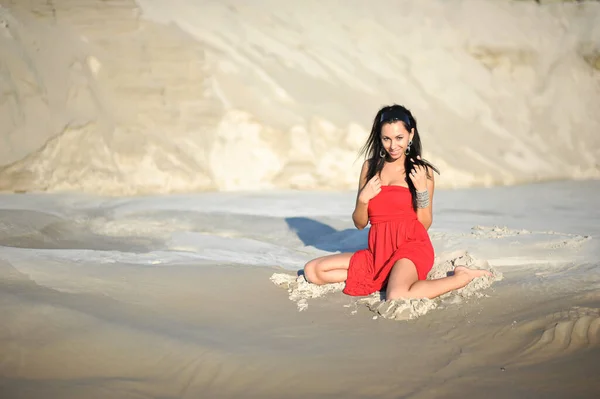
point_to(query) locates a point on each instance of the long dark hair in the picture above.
(374, 147)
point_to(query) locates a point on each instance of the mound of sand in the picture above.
(152, 96)
(300, 291)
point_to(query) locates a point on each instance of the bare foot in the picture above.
(470, 274)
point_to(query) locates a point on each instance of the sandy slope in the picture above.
(127, 97)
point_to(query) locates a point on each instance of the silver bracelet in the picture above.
(423, 199)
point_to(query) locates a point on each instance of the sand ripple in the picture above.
(564, 333)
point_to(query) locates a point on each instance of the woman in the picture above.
(395, 195)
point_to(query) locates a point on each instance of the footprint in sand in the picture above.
(566, 332)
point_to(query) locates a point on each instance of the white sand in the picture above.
(155, 96)
(172, 296)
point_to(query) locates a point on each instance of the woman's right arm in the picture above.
(360, 216)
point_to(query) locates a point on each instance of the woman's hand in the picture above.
(370, 190)
(418, 175)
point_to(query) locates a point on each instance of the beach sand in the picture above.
(167, 168)
(171, 296)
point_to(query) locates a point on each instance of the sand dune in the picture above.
(153, 96)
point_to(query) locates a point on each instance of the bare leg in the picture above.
(404, 283)
(328, 269)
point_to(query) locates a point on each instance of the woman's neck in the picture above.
(397, 162)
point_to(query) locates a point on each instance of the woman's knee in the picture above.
(402, 277)
(310, 271)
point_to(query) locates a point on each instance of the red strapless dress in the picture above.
(395, 233)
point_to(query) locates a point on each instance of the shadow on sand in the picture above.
(322, 236)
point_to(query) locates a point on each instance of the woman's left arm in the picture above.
(424, 183)
(425, 215)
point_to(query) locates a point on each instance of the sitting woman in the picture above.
(395, 195)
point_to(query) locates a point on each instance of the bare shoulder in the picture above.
(430, 173)
(363, 174)
(430, 179)
(365, 167)
(364, 170)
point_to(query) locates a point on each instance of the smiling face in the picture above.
(395, 139)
